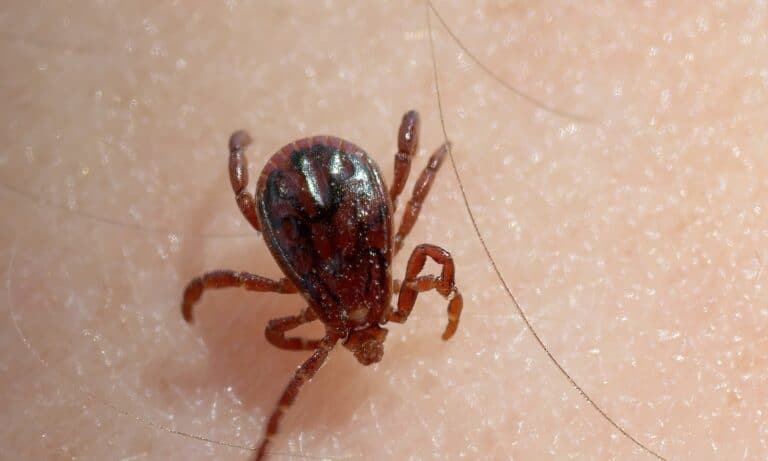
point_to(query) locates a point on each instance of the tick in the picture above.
(327, 218)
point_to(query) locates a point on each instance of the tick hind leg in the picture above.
(420, 191)
(238, 176)
(415, 284)
(304, 373)
(225, 279)
(276, 328)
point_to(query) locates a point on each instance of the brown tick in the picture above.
(326, 216)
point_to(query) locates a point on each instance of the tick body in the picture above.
(327, 219)
(326, 216)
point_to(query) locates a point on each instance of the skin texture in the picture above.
(634, 240)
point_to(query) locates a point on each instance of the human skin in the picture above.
(634, 238)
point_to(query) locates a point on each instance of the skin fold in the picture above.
(633, 231)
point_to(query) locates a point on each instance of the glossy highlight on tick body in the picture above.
(327, 218)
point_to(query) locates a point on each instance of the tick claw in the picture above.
(239, 140)
(186, 312)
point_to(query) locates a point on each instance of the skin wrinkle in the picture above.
(83, 234)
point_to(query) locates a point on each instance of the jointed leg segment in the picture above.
(226, 278)
(238, 176)
(407, 143)
(443, 284)
(305, 372)
(276, 328)
(420, 191)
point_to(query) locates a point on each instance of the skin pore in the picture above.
(634, 240)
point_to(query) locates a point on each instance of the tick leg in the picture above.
(304, 373)
(276, 328)
(407, 143)
(420, 191)
(238, 176)
(225, 279)
(443, 284)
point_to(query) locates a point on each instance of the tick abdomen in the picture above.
(324, 209)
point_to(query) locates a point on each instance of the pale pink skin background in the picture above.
(636, 242)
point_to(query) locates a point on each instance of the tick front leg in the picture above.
(276, 328)
(304, 373)
(225, 279)
(238, 176)
(443, 284)
(420, 191)
(407, 143)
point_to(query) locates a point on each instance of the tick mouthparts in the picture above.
(370, 351)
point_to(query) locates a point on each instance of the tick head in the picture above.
(368, 344)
